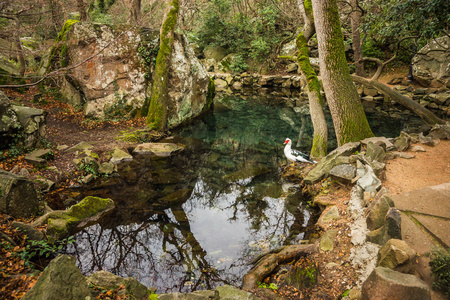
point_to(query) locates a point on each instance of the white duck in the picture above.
(295, 155)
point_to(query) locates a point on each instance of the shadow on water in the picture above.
(195, 220)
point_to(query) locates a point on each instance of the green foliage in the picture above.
(254, 36)
(90, 168)
(42, 249)
(440, 267)
(148, 57)
(271, 286)
(238, 65)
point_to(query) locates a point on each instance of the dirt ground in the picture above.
(426, 169)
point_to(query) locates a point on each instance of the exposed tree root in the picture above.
(267, 264)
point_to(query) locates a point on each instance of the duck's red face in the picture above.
(287, 141)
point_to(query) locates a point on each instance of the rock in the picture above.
(425, 140)
(327, 240)
(289, 49)
(23, 172)
(62, 147)
(440, 132)
(369, 182)
(388, 146)
(106, 168)
(20, 125)
(377, 212)
(18, 197)
(120, 156)
(78, 216)
(221, 84)
(80, 147)
(237, 85)
(396, 80)
(158, 149)
(390, 230)
(44, 184)
(215, 52)
(61, 279)
(32, 233)
(290, 68)
(417, 148)
(402, 142)
(375, 153)
(134, 289)
(430, 64)
(398, 256)
(370, 92)
(228, 292)
(39, 157)
(345, 172)
(322, 169)
(331, 214)
(88, 178)
(387, 284)
(403, 155)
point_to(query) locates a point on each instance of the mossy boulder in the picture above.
(87, 212)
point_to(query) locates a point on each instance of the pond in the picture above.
(196, 220)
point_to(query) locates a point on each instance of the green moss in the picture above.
(89, 207)
(62, 36)
(319, 147)
(211, 93)
(157, 113)
(305, 65)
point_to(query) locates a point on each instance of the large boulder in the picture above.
(85, 213)
(387, 284)
(18, 197)
(20, 125)
(397, 255)
(430, 64)
(61, 279)
(116, 81)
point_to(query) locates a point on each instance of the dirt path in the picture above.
(426, 169)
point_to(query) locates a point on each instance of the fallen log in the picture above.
(426, 115)
(267, 264)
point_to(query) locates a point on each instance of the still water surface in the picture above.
(196, 220)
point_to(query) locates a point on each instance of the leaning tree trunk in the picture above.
(319, 147)
(426, 115)
(135, 11)
(82, 10)
(356, 37)
(350, 122)
(18, 46)
(157, 112)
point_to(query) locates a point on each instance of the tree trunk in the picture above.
(135, 11)
(319, 147)
(350, 122)
(82, 10)
(18, 46)
(356, 37)
(157, 112)
(426, 115)
(57, 18)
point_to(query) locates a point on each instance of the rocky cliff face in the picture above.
(431, 65)
(113, 69)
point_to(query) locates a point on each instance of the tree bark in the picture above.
(356, 37)
(349, 119)
(157, 112)
(267, 264)
(426, 115)
(135, 11)
(320, 139)
(18, 46)
(82, 10)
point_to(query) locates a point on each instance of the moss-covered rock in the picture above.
(85, 213)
